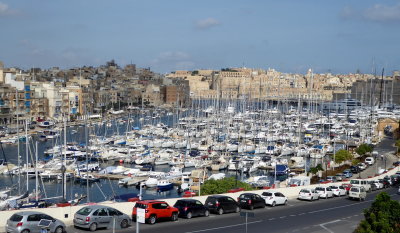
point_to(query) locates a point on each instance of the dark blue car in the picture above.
(189, 208)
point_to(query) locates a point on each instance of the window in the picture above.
(85, 211)
(47, 217)
(163, 205)
(16, 218)
(198, 203)
(34, 218)
(112, 212)
(230, 199)
(103, 212)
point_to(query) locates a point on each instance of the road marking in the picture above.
(327, 229)
(283, 217)
(338, 207)
(271, 219)
(229, 226)
(292, 215)
(302, 213)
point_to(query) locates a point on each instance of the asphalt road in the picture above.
(332, 215)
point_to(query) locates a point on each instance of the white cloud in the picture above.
(206, 23)
(172, 60)
(383, 13)
(5, 10)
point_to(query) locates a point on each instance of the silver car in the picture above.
(28, 221)
(98, 216)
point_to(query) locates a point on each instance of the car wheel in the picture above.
(152, 219)
(220, 211)
(59, 229)
(273, 204)
(174, 216)
(312, 199)
(206, 213)
(189, 215)
(285, 202)
(124, 223)
(25, 231)
(251, 207)
(237, 210)
(93, 227)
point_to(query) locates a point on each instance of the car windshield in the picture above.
(320, 189)
(305, 191)
(334, 187)
(16, 218)
(140, 205)
(354, 181)
(85, 211)
(354, 189)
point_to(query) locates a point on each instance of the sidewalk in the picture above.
(387, 149)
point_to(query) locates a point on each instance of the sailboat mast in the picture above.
(36, 174)
(18, 156)
(27, 153)
(65, 159)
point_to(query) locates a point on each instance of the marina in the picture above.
(259, 143)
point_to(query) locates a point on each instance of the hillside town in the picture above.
(46, 94)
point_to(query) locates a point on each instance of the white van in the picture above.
(363, 183)
(370, 160)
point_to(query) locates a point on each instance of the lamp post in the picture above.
(237, 167)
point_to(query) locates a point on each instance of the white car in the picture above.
(370, 161)
(379, 185)
(338, 190)
(274, 198)
(324, 192)
(308, 194)
(362, 166)
(358, 192)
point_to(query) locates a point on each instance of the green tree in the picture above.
(397, 144)
(222, 186)
(342, 155)
(382, 216)
(363, 149)
(316, 169)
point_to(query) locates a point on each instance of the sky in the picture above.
(340, 36)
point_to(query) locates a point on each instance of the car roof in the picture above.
(187, 200)
(248, 194)
(150, 201)
(217, 196)
(96, 206)
(25, 213)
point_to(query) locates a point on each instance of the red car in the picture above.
(156, 210)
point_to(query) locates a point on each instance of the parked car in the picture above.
(355, 169)
(221, 204)
(370, 161)
(362, 166)
(359, 182)
(27, 222)
(385, 183)
(189, 208)
(347, 173)
(339, 176)
(331, 179)
(273, 198)
(99, 216)
(338, 190)
(251, 201)
(357, 192)
(374, 186)
(324, 192)
(308, 194)
(378, 184)
(397, 163)
(155, 210)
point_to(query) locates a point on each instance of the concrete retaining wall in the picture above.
(66, 214)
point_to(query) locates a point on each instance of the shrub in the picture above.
(222, 186)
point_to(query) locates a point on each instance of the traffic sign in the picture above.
(248, 214)
(140, 215)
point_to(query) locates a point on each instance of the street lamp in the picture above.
(237, 167)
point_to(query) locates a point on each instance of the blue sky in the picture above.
(166, 35)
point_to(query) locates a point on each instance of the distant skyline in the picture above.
(290, 36)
